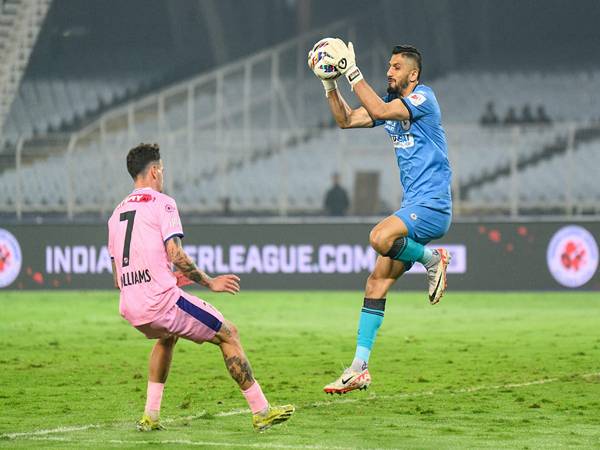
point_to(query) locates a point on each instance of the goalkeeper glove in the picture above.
(343, 58)
(328, 85)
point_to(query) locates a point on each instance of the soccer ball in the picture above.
(315, 57)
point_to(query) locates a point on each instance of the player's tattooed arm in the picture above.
(187, 268)
(184, 263)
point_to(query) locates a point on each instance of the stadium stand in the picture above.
(239, 141)
(45, 105)
(566, 96)
(557, 181)
(20, 23)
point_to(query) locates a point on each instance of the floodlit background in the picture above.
(223, 87)
(250, 152)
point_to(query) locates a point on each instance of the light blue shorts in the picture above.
(425, 224)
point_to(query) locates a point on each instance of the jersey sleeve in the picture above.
(170, 222)
(419, 104)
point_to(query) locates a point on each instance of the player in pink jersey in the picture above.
(144, 241)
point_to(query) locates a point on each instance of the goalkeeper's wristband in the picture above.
(353, 75)
(329, 85)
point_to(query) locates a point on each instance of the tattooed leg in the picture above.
(235, 359)
(240, 370)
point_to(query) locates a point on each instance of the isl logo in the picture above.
(10, 258)
(572, 256)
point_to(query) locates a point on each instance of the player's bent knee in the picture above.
(228, 332)
(376, 239)
(232, 328)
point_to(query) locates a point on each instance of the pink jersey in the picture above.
(137, 232)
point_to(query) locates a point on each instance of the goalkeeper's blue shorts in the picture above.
(424, 223)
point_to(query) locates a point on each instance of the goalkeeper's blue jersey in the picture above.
(421, 150)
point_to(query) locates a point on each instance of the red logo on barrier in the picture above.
(573, 256)
(4, 257)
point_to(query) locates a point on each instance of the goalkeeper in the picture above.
(411, 116)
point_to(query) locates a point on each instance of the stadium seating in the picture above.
(287, 169)
(45, 105)
(20, 23)
(477, 151)
(548, 182)
(565, 96)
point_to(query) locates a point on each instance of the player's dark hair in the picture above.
(411, 52)
(140, 157)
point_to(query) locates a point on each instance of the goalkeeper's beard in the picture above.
(400, 86)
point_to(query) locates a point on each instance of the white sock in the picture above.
(358, 365)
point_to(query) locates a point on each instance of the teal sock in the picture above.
(371, 318)
(427, 255)
(407, 250)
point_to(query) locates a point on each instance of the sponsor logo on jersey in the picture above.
(139, 198)
(170, 208)
(10, 258)
(403, 140)
(397, 126)
(417, 99)
(572, 256)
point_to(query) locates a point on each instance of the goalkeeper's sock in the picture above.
(153, 399)
(371, 317)
(406, 250)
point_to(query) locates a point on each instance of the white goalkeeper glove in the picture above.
(328, 85)
(344, 60)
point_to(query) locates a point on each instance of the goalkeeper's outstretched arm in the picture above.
(345, 116)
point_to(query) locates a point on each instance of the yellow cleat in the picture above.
(147, 424)
(273, 416)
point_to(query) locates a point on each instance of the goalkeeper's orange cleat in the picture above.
(436, 275)
(350, 380)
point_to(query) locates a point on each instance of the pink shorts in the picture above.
(189, 318)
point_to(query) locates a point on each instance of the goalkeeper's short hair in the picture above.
(411, 52)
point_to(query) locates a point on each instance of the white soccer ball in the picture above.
(315, 57)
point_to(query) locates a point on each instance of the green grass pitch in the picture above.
(479, 370)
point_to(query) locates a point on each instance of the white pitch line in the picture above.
(177, 419)
(235, 412)
(441, 391)
(185, 442)
(51, 431)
